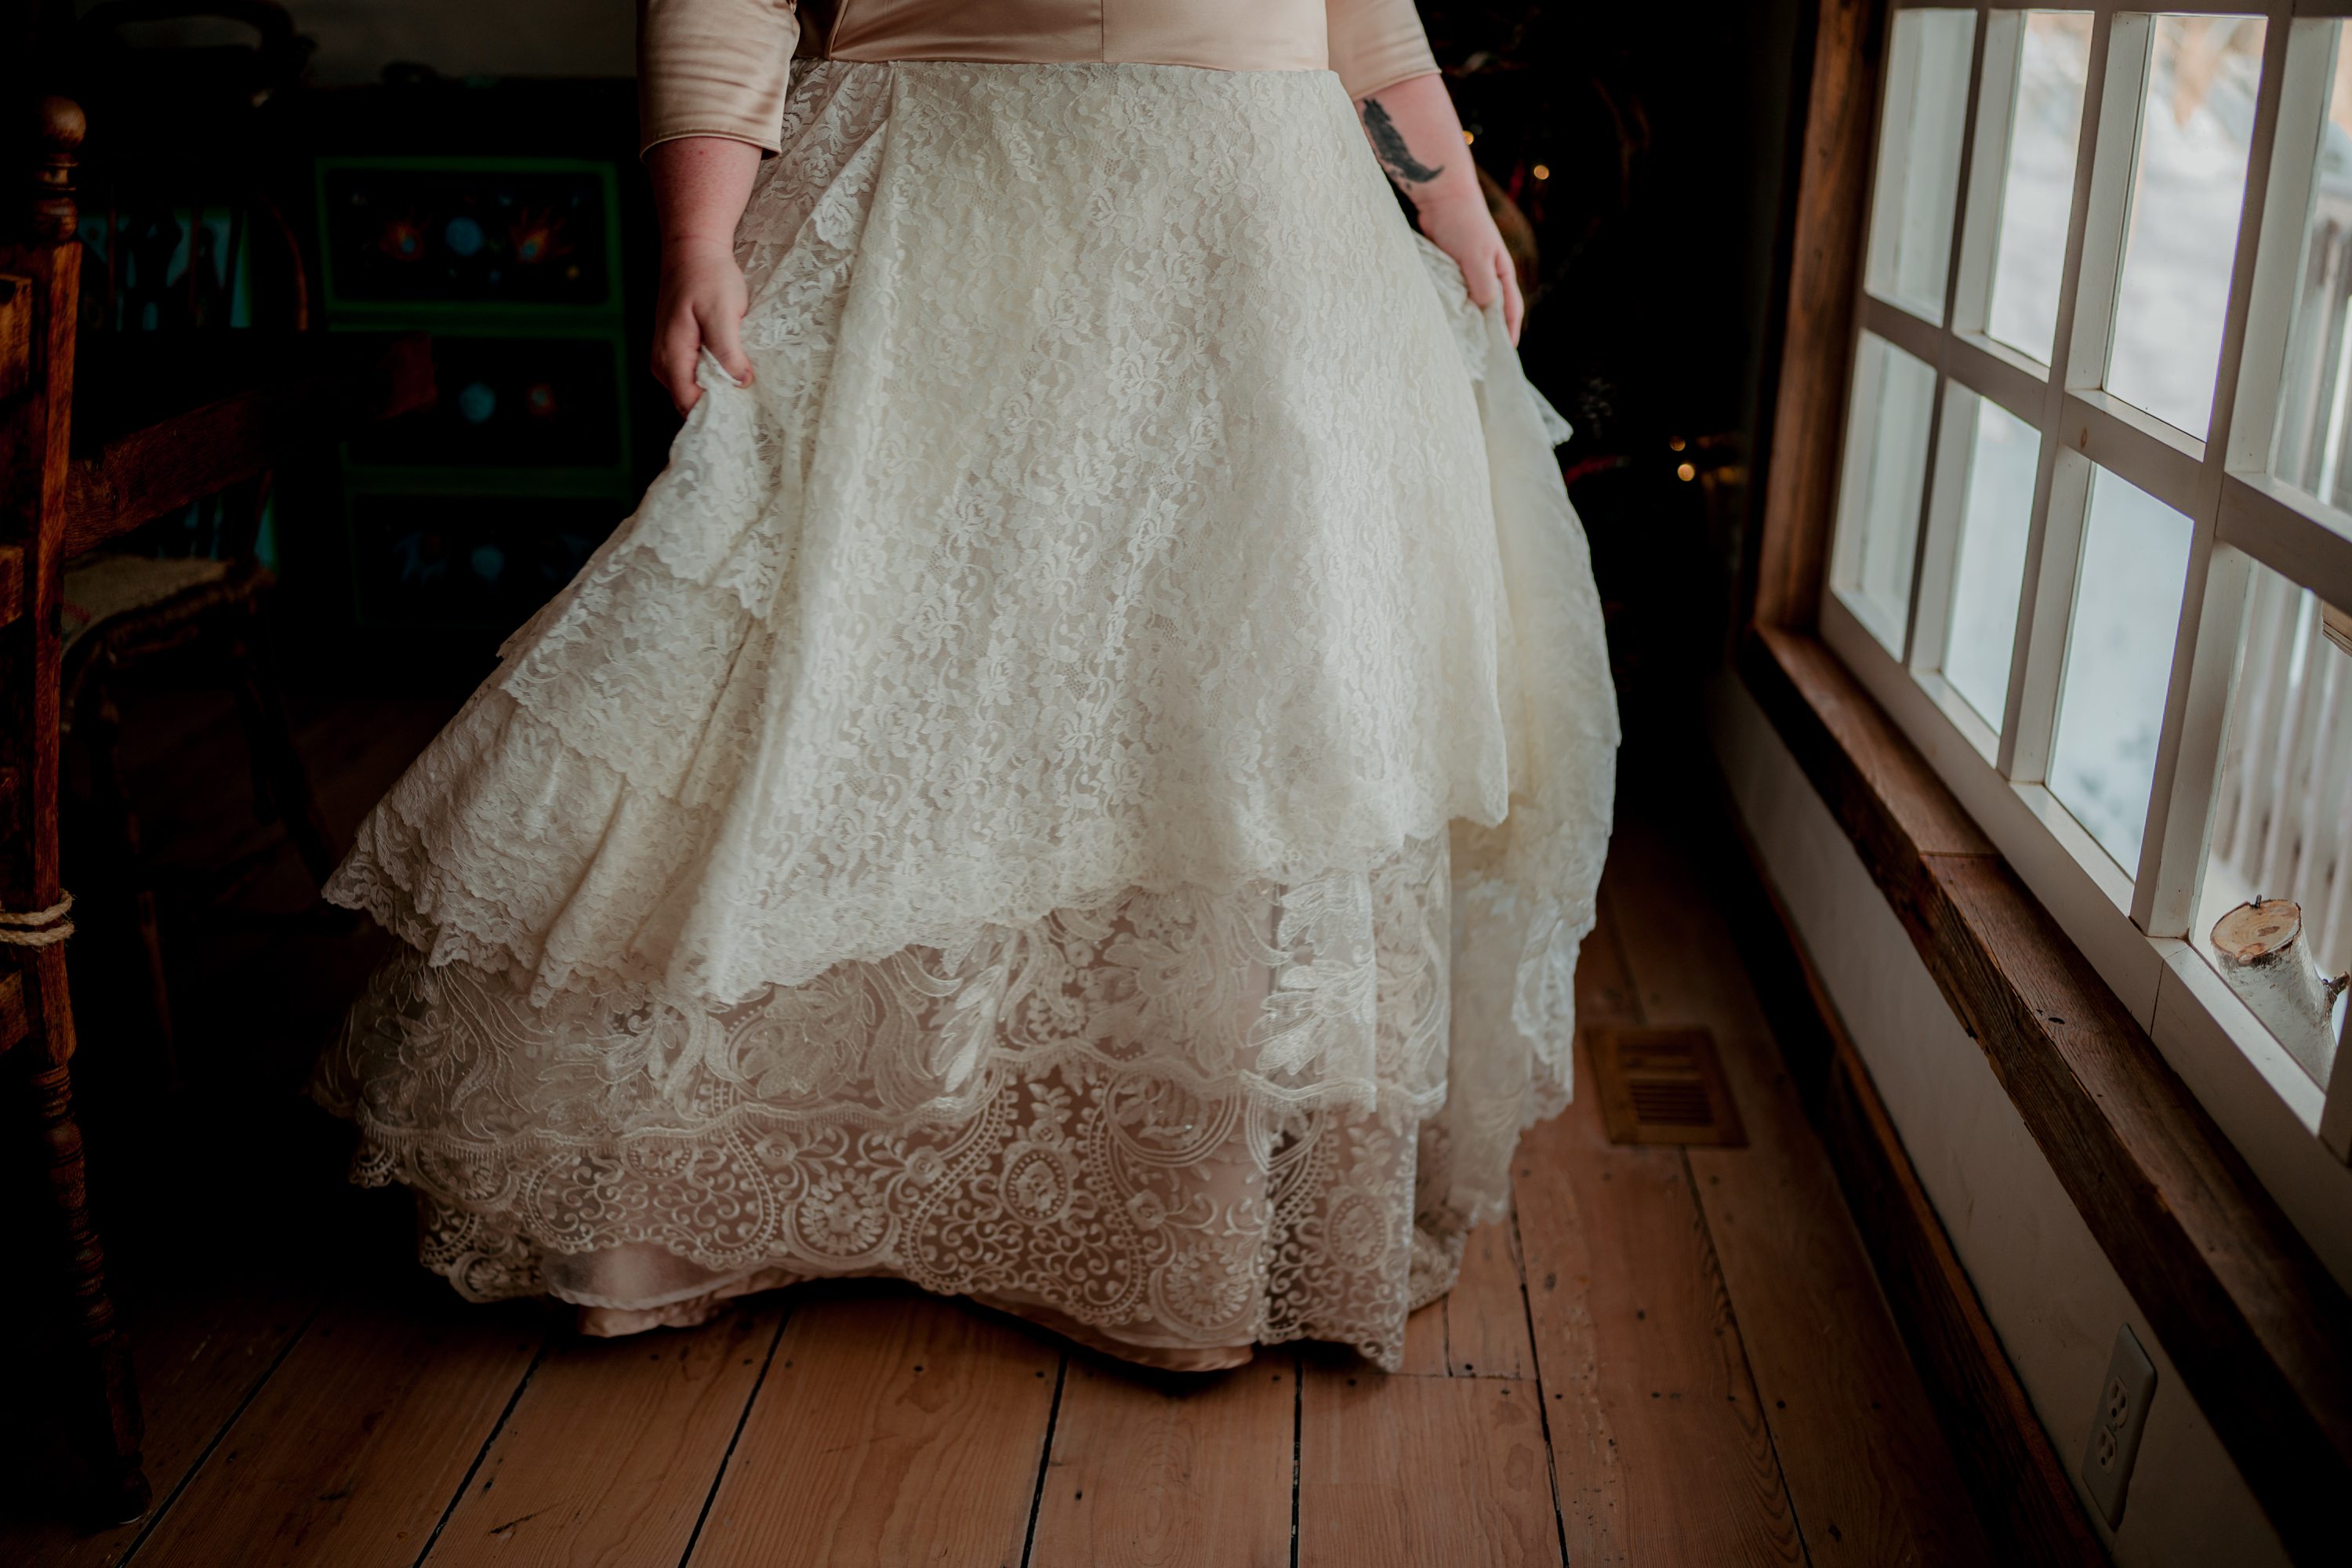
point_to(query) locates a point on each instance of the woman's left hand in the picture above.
(1418, 139)
(1461, 227)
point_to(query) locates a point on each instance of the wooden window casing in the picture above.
(2207, 1163)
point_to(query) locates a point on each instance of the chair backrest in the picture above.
(40, 268)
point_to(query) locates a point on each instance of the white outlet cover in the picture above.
(2116, 1425)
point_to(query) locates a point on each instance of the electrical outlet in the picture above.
(2116, 1425)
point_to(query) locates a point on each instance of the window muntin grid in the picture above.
(2235, 517)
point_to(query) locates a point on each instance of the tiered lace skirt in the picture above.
(1080, 786)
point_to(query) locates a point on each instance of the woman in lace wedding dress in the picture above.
(1082, 782)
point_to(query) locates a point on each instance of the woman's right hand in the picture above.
(701, 306)
(700, 183)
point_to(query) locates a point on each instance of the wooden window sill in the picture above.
(2260, 1331)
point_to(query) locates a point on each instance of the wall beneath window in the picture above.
(2048, 1289)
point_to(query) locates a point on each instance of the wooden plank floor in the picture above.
(1661, 1357)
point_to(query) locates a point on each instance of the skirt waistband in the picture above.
(1221, 35)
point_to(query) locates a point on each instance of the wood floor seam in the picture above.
(489, 1441)
(1045, 1459)
(1535, 1372)
(1297, 1434)
(710, 1495)
(155, 1516)
(1747, 1359)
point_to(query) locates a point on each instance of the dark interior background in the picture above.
(1641, 167)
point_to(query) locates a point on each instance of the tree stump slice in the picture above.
(2260, 949)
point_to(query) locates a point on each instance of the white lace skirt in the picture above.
(1081, 786)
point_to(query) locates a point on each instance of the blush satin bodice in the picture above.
(719, 67)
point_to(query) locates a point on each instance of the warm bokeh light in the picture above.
(1687, 472)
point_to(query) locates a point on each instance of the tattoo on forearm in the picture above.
(1388, 145)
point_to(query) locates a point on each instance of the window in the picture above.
(2092, 543)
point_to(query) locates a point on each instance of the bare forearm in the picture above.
(1417, 137)
(701, 185)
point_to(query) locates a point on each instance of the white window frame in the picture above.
(2133, 928)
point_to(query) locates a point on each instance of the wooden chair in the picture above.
(39, 271)
(240, 417)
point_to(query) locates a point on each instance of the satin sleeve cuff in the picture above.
(1376, 44)
(714, 67)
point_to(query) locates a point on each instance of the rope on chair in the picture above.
(37, 928)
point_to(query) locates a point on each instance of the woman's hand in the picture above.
(1465, 231)
(700, 183)
(701, 306)
(1418, 139)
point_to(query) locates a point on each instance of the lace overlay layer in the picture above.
(1114, 717)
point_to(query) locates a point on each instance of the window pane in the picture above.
(2283, 802)
(1989, 567)
(2037, 186)
(2313, 423)
(1885, 476)
(2118, 662)
(1919, 159)
(2188, 185)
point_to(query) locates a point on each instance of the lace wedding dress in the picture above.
(1081, 786)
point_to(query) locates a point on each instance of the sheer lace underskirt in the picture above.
(1171, 1127)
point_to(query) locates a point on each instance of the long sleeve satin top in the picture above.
(719, 67)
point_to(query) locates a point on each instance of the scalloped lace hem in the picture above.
(1187, 1117)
